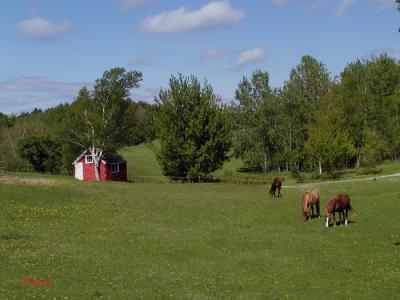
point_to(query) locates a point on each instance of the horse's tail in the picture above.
(304, 206)
(352, 211)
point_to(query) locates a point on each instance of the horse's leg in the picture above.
(279, 192)
(328, 218)
(334, 219)
(318, 211)
(345, 220)
(312, 211)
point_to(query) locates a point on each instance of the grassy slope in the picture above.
(142, 163)
(126, 241)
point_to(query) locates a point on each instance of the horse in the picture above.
(309, 199)
(276, 185)
(341, 204)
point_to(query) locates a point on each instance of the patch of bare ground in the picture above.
(29, 181)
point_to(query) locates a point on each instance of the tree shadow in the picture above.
(315, 217)
(337, 223)
(250, 170)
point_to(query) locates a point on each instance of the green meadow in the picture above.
(144, 168)
(200, 241)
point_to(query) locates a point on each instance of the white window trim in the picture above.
(86, 159)
(117, 168)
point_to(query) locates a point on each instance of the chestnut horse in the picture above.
(309, 199)
(276, 185)
(341, 204)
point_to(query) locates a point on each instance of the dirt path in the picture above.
(310, 184)
(30, 181)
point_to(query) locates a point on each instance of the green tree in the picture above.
(373, 151)
(301, 97)
(329, 145)
(255, 134)
(100, 120)
(42, 152)
(354, 97)
(192, 128)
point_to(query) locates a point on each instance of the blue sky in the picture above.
(50, 49)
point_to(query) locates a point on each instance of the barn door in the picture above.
(79, 171)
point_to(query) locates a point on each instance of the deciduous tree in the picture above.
(192, 128)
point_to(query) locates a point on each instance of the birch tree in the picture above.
(100, 119)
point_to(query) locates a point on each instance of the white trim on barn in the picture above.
(79, 171)
(89, 159)
(80, 156)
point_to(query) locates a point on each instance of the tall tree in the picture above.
(329, 144)
(354, 96)
(255, 135)
(192, 128)
(301, 96)
(99, 119)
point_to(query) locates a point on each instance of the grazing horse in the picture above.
(276, 185)
(309, 199)
(341, 204)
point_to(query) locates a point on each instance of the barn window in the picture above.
(114, 168)
(88, 159)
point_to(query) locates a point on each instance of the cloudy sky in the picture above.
(50, 49)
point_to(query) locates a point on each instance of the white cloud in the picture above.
(282, 2)
(25, 93)
(248, 57)
(383, 4)
(125, 5)
(39, 28)
(214, 15)
(214, 54)
(344, 7)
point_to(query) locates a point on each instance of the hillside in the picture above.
(143, 167)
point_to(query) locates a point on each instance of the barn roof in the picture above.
(107, 157)
(112, 157)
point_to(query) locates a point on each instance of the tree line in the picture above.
(314, 122)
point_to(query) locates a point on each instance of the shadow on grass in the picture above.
(397, 243)
(338, 224)
(12, 235)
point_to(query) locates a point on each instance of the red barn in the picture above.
(112, 167)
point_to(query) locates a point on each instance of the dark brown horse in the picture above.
(276, 185)
(309, 199)
(341, 204)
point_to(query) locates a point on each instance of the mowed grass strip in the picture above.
(151, 241)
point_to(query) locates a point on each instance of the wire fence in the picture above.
(199, 179)
(250, 181)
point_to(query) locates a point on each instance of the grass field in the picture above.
(143, 167)
(205, 241)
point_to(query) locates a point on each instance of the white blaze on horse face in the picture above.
(327, 222)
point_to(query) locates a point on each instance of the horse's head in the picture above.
(327, 216)
(271, 193)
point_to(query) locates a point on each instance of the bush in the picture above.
(370, 171)
(43, 153)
